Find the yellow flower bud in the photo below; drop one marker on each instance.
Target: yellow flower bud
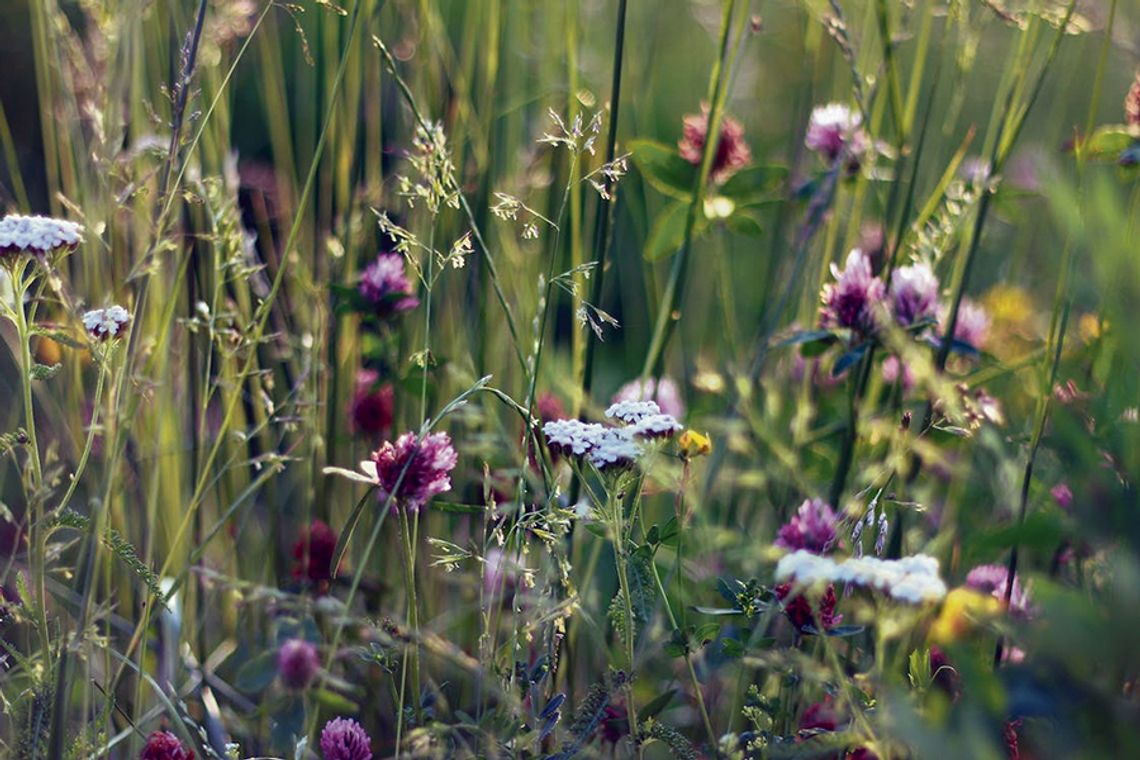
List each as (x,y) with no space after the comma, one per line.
(694,444)
(962,610)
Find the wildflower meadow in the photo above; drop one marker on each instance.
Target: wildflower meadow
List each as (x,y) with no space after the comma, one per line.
(720,379)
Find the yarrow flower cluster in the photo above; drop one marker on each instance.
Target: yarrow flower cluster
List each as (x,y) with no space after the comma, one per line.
(812,528)
(631,411)
(834,131)
(106,324)
(163,745)
(732,152)
(297,663)
(345,739)
(572,437)
(850,301)
(384,285)
(37,235)
(911,579)
(665,392)
(608,446)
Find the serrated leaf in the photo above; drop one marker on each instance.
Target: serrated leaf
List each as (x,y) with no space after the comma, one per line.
(44,371)
(664,169)
(58,335)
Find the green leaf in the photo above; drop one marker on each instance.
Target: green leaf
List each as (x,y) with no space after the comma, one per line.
(731,648)
(1106,143)
(256,674)
(717,611)
(659,703)
(811,342)
(664,169)
(457,508)
(667,232)
(337,704)
(743,223)
(1040,530)
(752,183)
(288,722)
(843,363)
(705,633)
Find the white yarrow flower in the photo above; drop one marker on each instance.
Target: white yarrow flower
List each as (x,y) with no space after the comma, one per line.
(106,324)
(37,234)
(614,447)
(657,426)
(572,436)
(913,580)
(632,410)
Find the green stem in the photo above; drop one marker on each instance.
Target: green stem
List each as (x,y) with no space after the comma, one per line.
(413,614)
(697,692)
(617,527)
(37,535)
(605,205)
(674,289)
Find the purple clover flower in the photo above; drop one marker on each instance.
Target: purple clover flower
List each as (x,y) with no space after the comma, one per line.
(297,663)
(345,739)
(914,294)
(992,579)
(973,323)
(812,528)
(732,152)
(163,745)
(851,300)
(384,284)
(429,464)
(835,129)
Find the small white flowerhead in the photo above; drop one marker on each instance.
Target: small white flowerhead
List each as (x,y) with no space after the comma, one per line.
(614,448)
(106,324)
(571,436)
(632,411)
(37,235)
(657,426)
(913,580)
